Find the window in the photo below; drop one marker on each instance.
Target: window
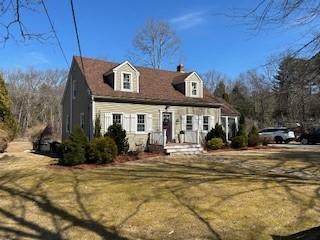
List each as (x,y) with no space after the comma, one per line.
(74,88)
(68,124)
(126,81)
(82,120)
(194,89)
(189,125)
(141,122)
(117,118)
(206,123)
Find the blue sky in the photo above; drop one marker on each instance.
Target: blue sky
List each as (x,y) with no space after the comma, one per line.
(209,40)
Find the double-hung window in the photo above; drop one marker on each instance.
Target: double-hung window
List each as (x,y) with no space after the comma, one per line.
(189,124)
(82,120)
(141,123)
(117,118)
(126,81)
(205,123)
(194,89)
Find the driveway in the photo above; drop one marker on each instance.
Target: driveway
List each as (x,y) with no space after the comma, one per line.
(296,145)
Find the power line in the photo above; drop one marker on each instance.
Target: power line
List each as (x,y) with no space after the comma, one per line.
(54,32)
(77,35)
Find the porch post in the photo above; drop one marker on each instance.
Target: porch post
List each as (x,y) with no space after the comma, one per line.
(164,137)
(227,128)
(198,136)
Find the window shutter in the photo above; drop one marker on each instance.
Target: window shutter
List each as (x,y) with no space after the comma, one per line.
(201,123)
(149,122)
(183,122)
(107,121)
(195,123)
(126,122)
(211,122)
(133,122)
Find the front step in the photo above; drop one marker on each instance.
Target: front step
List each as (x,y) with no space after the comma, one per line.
(183,149)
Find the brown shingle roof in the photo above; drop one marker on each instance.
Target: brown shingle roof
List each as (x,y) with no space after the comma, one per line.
(154,84)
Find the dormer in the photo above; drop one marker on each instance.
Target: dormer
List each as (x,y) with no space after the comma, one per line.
(124,77)
(191,85)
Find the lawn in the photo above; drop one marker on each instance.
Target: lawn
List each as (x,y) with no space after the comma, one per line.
(228,195)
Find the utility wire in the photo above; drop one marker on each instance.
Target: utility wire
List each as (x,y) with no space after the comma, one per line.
(54,32)
(77,35)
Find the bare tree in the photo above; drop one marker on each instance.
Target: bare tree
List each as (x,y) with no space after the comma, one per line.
(291,13)
(36,97)
(212,78)
(155,43)
(13,20)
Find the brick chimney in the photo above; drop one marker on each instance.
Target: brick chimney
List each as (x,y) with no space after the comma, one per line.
(180,68)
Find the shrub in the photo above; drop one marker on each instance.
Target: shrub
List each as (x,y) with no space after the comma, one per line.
(4,140)
(101,150)
(265,141)
(116,132)
(215,143)
(239,142)
(216,132)
(97,127)
(253,137)
(74,148)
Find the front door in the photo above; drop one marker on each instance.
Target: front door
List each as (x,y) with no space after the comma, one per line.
(167,124)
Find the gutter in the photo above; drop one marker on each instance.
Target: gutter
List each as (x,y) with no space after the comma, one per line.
(153,101)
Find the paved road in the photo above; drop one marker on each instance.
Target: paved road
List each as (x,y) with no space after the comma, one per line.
(297,145)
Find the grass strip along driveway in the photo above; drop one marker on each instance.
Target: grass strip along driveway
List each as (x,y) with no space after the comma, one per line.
(228,195)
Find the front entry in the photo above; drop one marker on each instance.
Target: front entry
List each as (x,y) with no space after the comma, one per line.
(167,124)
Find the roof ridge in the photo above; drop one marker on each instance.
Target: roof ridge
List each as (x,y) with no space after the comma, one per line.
(136,66)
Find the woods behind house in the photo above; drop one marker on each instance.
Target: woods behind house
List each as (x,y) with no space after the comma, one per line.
(36,98)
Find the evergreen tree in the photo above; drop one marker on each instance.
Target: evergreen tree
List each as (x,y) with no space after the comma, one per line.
(97,127)
(7,121)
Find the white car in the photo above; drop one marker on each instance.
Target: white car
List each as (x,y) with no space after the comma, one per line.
(279,135)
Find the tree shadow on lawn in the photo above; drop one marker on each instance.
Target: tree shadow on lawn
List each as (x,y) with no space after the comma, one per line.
(173,177)
(25,228)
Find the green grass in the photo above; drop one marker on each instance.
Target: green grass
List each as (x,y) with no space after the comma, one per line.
(233,195)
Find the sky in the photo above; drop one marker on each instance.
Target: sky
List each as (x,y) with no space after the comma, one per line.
(210,39)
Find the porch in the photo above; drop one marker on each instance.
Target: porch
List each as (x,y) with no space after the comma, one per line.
(190,142)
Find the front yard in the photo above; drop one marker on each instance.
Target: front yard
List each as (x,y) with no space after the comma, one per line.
(233,195)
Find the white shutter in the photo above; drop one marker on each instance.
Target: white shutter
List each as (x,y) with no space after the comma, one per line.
(211,122)
(149,122)
(133,122)
(107,121)
(195,123)
(183,122)
(201,123)
(126,122)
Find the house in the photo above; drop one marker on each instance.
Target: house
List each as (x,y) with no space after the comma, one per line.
(152,105)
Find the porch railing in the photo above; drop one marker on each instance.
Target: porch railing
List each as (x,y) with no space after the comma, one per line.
(160,137)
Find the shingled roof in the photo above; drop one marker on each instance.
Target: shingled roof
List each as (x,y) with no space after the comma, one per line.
(154,85)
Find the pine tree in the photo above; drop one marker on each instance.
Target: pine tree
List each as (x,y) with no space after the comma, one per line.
(97,127)
(7,121)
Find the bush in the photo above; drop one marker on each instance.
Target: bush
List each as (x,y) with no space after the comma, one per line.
(74,148)
(265,141)
(215,143)
(116,132)
(4,140)
(253,137)
(216,132)
(101,150)
(97,127)
(239,141)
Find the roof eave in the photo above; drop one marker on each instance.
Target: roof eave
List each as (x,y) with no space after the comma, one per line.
(155,101)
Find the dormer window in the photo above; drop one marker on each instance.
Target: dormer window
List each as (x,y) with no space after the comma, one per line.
(126,81)
(194,89)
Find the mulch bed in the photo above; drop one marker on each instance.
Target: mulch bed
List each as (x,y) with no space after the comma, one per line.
(118,160)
